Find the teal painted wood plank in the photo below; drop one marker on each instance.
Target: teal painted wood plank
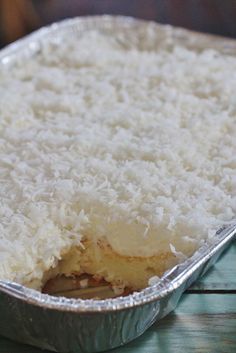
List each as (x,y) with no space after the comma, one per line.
(212,304)
(7,346)
(222,276)
(202,323)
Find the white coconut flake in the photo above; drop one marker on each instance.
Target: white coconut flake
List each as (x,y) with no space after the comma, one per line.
(84,283)
(153,280)
(135,146)
(180,256)
(118,289)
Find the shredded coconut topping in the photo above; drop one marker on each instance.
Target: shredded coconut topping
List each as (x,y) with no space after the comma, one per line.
(105,141)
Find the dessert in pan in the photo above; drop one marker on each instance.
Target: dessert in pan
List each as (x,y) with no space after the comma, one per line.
(117,162)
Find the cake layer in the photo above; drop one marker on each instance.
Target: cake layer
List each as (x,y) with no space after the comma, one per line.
(98,259)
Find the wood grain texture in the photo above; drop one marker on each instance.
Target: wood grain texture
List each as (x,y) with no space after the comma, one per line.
(202,323)
(192,328)
(222,276)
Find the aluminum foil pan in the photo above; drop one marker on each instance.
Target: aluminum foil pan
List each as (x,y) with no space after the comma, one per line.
(75,325)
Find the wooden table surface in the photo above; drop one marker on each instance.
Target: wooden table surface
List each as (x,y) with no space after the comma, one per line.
(204,321)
